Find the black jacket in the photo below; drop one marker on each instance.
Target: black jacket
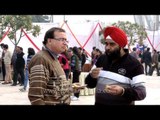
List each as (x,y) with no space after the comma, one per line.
(20,62)
(126,66)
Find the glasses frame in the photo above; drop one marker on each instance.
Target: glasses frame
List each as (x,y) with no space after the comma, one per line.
(61,39)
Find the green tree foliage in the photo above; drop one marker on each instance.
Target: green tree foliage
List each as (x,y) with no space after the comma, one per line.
(16,23)
(135,32)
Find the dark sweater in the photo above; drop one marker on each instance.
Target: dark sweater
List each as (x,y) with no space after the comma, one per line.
(126,66)
(20,62)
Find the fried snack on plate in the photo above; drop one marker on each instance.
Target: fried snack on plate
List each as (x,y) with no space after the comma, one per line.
(78,86)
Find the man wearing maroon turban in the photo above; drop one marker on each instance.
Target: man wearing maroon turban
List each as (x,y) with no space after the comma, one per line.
(118,77)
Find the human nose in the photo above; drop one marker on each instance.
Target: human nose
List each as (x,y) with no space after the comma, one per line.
(108,47)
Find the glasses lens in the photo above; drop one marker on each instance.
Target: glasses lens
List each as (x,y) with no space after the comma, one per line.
(62,39)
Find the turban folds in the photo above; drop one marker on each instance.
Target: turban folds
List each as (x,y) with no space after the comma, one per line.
(117,35)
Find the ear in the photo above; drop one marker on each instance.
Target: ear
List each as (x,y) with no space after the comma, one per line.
(49,41)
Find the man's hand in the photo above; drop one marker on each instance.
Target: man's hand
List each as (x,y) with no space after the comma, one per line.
(114,89)
(95,72)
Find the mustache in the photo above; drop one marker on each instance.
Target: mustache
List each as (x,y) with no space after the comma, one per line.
(113,54)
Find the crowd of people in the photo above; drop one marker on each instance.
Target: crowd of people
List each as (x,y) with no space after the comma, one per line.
(13,65)
(150,60)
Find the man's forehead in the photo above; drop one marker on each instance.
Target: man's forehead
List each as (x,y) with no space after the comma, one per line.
(110,41)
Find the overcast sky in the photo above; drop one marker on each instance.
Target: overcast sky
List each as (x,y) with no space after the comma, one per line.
(102,18)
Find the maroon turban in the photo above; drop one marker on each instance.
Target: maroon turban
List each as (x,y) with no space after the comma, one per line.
(116,34)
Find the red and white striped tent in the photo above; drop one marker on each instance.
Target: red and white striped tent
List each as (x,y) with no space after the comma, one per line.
(84,35)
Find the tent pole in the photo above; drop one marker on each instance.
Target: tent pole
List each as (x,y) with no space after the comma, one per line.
(153,34)
(64,19)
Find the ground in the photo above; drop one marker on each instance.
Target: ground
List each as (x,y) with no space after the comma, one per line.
(10,95)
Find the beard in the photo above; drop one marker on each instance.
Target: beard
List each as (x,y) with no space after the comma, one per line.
(114,54)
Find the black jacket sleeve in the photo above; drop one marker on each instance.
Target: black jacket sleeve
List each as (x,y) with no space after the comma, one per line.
(137,93)
(91,82)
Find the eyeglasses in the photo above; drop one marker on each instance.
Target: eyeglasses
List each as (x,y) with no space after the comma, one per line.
(62,40)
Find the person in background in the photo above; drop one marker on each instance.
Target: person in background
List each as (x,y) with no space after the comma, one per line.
(98,53)
(7,62)
(83,56)
(1,50)
(19,67)
(155,63)
(116,82)
(13,64)
(76,63)
(2,59)
(70,52)
(134,53)
(64,61)
(31,53)
(147,59)
(93,53)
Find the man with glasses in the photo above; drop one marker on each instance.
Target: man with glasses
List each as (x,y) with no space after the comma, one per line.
(48,84)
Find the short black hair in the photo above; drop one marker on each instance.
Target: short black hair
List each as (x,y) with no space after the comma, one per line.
(50,33)
(31,51)
(148,49)
(2,44)
(21,48)
(94,48)
(5,46)
(134,49)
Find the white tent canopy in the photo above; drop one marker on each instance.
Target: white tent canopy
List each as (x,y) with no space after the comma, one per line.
(77,34)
